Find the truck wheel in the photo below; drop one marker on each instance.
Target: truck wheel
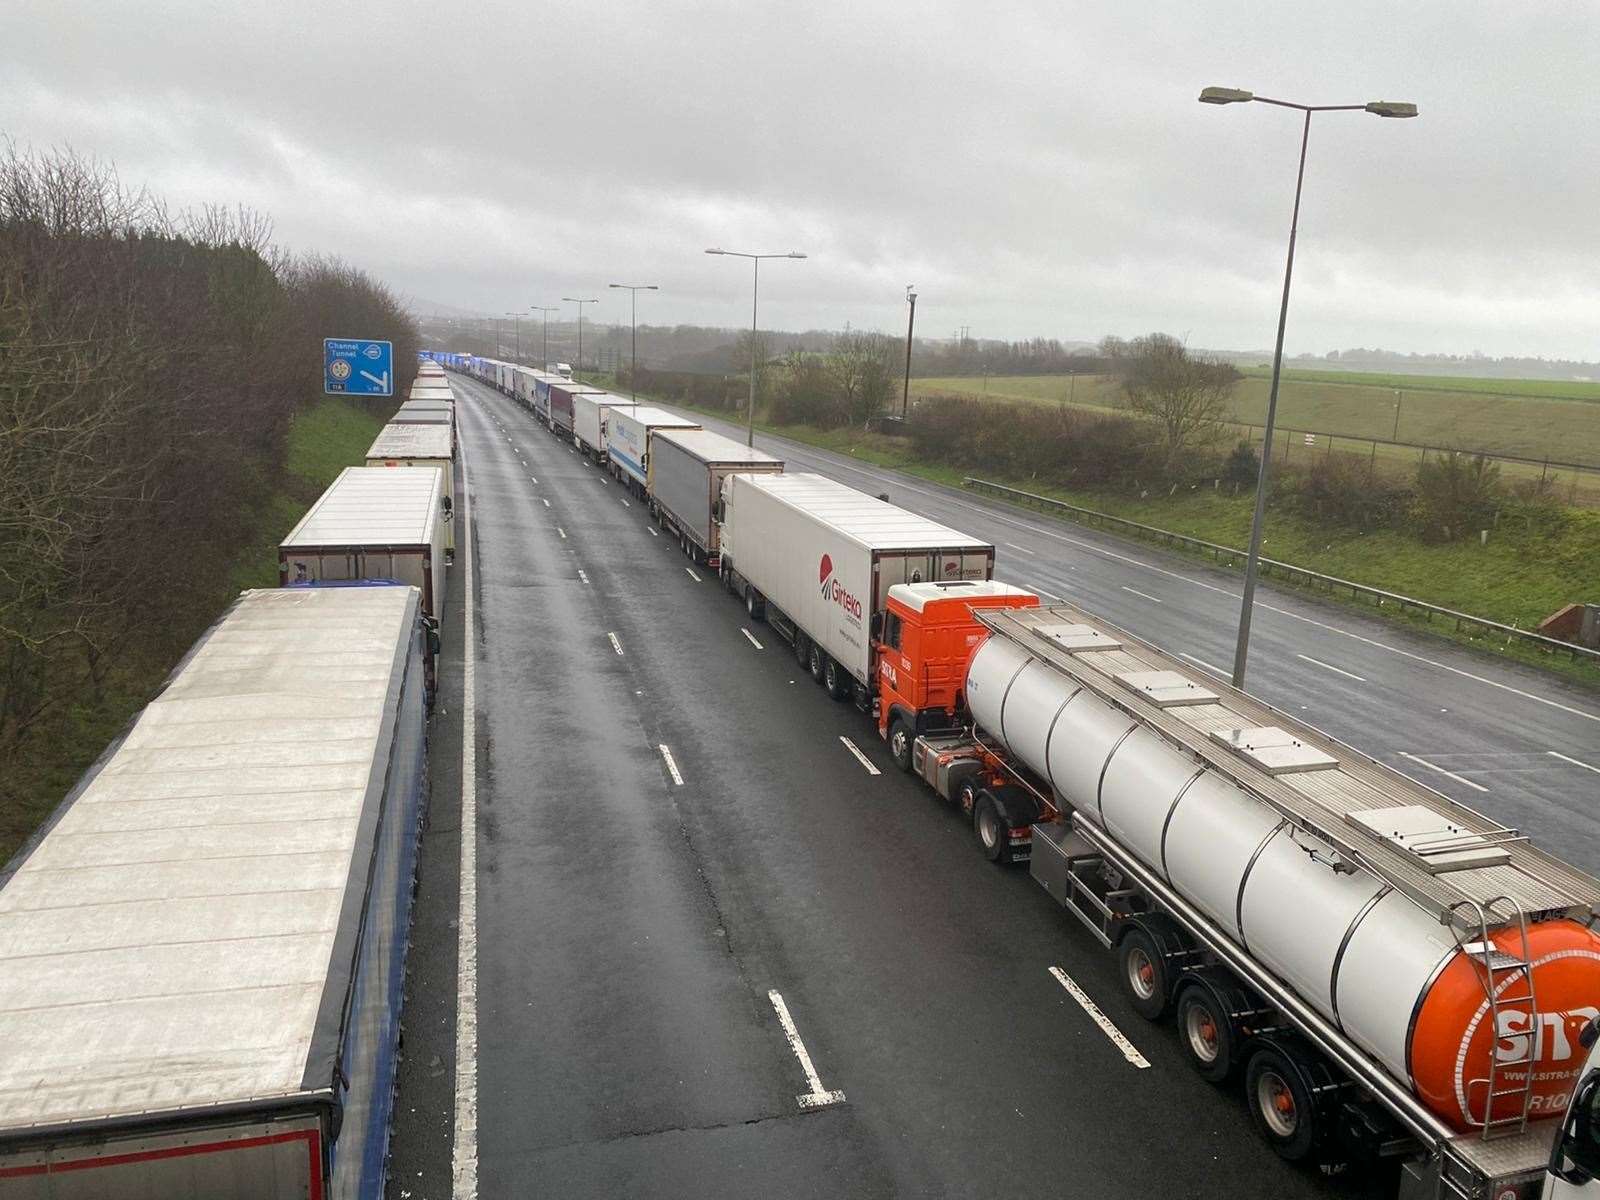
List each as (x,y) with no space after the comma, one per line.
(753,604)
(990,828)
(900,743)
(835,680)
(967,797)
(1144,974)
(1280,1104)
(802,650)
(816,661)
(1207,1033)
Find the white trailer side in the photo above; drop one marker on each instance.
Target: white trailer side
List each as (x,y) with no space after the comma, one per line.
(687,467)
(201,951)
(591,420)
(628,441)
(826,555)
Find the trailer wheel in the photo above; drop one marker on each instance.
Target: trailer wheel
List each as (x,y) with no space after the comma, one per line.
(990,828)
(835,680)
(900,743)
(1207,1033)
(802,650)
(753,604)
(1281,1104)
(816,661)
(1144,974)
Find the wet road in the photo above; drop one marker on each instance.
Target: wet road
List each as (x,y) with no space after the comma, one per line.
(632,929)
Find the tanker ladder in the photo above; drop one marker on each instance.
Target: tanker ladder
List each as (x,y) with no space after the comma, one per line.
(1500,973)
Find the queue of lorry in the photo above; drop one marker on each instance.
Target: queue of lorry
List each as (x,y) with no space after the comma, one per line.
(1386,973)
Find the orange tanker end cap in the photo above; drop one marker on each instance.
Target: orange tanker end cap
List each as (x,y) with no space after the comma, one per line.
(1454,1034)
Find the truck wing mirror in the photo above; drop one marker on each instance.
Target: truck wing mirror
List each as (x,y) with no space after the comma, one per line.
(877,624)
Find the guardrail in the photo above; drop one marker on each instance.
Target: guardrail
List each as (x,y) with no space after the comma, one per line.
(1287,571)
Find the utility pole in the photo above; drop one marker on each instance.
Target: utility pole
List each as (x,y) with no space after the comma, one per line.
(911,324)
(577,367)
(755,291)
(633,290)
(545,313)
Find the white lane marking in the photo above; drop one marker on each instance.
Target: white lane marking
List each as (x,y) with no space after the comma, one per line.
(672,764)
(856,750)
(615,644)
(1021,549)
(752,638)
(651,532)
(1118,1038)
(992,515)
(693,576)
(1575,762)
(1200,662)
(1143,595)
(818,1096)
(1330,667)
(1422,762)
(546,502)
(562,532)
(464,1143)
(625,504)
(1050,595)
(535,479)
(582,576)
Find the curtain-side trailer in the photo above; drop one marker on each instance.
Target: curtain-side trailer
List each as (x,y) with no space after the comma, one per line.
(591,421)
(202,950)
(561,414)
(629,438)
(818,559)
(687,467)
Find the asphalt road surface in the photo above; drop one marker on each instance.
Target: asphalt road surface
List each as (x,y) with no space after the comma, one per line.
(681,842)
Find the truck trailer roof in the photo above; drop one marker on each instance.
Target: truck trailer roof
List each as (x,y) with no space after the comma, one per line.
(373,508)
(411,441)
(866,520)
(714,449)
(180,933)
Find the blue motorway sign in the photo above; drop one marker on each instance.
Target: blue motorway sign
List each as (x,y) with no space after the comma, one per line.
(357,368)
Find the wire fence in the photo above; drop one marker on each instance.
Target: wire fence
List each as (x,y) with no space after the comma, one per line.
(1289,572)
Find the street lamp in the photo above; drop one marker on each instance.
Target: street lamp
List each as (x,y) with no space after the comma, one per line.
(911,324)
(1220,95)
(633,290)
(545,314)
(580,304)
(518,317)
(755,286)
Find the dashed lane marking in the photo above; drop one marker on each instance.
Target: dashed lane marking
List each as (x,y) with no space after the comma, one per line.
(856,750)
(1200,662)
(1422,762)
(615,644)
(651,531)
(818,1096)
(625,503)
(582,576)
(1574,761)
(1142,595)
(1330,667)
(1020,549)
(546,502)
(693,576)
(672,764)
(751,637)
(1107,1026)
(562,532)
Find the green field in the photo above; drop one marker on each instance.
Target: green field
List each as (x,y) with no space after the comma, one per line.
(1535,419)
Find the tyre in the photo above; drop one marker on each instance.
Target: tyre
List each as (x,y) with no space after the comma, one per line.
(1280,1104)
(835,681)
(802,650)
(753,605)
(989,827)
(1144,974)
(1206,1034)
(967,797)
(900,743)
(816,661)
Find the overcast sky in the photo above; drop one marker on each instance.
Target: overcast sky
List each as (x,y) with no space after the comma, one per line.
(1033,169)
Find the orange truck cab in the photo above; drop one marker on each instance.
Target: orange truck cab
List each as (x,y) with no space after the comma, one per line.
(928,635)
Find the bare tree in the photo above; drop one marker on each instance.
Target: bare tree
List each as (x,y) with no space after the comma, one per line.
(861,366)
(1185,397)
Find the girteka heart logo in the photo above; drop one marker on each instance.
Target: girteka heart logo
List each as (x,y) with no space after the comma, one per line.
(827,569)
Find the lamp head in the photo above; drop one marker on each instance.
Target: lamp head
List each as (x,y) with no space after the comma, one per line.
(1391,108)
(1222,95)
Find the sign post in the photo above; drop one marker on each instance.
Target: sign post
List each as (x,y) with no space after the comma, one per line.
(357,368)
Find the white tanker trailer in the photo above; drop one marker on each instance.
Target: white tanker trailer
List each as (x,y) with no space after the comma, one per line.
(1392,973)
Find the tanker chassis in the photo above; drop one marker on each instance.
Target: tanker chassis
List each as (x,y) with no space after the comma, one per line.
(1396,980)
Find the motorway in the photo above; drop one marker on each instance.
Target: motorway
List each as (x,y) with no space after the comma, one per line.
(680,843)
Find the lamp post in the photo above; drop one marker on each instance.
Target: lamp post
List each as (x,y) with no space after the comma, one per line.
(580,303)
(545,313)
(755,288)
(911,324)
(1219,95)
(633,290)
(517,317)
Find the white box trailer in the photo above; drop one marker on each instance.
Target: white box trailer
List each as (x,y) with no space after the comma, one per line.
(541,397)
(562,404)
(419,446)
(422,389)
(202,950)
(687,467)
(591,420)
(628,441)
(825,556)
(522,379)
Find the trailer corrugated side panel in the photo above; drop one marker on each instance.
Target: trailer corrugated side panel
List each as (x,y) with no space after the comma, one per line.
(686,472)
(827,555)
(628,438)
(203,948)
